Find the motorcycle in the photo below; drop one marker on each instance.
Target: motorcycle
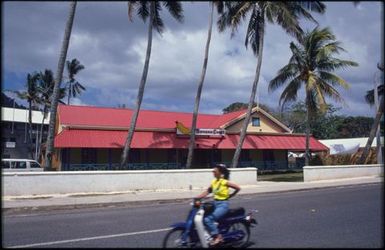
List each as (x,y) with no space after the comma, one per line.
(234,227)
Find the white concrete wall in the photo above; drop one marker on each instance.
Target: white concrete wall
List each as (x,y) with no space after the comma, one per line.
(17,184)
(316,173)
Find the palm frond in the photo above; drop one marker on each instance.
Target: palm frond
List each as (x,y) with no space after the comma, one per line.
(330,91)
(316,6)
(143,10)
(157,21)
(333,79)
(286,73)
(289,94)
(131,7)
(255,30)
(175,9)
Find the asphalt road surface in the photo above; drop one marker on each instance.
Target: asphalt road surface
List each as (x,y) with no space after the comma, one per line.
(342,217)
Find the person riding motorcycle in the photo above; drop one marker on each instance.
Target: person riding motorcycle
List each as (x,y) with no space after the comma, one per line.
(220,188)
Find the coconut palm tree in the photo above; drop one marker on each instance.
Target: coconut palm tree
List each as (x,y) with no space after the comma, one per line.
(376,123)
(151,10)
(311,66)
(56,90)
(45,88)
(74,87)
(369,97)
(285,14)
(191,147)
(31,95)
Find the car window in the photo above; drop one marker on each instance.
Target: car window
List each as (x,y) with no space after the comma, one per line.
(34,164)
(20,164)
(5,164)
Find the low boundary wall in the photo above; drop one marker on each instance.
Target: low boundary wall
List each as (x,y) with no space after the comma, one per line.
(43,183)
(316,173)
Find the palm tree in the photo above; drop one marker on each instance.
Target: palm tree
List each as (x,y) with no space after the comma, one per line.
(200,84)
(369,97)
(375,125)
(152,10)
(31,95)
(285,14)
(45,88)
(74,87)
(311,65)
(56,89)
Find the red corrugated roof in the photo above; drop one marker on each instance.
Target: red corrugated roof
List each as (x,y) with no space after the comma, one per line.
(75,138)
(117,117)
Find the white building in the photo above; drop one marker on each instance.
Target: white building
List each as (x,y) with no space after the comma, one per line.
(15,132)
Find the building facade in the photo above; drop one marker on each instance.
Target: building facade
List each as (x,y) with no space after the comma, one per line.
(16,142)
(92,138)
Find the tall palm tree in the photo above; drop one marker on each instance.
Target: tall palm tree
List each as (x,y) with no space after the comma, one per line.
(56,90)
(45,88)
(74,87)
(369,97)
(311,65)
(375,126)
(191,147)
(31,95)
(285,14)
(151,10)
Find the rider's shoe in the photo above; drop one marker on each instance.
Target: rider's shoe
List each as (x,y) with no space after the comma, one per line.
(218,240)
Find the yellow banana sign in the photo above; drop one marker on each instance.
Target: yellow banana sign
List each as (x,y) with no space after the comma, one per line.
(182,129)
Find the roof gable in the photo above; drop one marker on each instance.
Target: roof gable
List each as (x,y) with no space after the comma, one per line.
(254,110)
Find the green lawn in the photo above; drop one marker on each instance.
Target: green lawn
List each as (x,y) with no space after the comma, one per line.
(292,177)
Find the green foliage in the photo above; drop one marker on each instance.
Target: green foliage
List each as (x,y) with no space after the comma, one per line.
(327,125)
(74,87)
(236,106)
(142,9)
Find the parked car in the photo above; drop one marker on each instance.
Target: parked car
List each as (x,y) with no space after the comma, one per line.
(23,165)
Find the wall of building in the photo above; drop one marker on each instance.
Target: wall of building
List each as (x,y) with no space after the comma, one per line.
(25,184)
(266,125)
(18,133)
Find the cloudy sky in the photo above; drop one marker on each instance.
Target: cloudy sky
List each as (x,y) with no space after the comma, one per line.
(112,49)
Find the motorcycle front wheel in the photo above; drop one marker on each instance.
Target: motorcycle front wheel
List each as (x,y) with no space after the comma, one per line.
(245,229)
(173,239)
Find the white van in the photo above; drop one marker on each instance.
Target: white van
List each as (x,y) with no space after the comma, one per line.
(14,165)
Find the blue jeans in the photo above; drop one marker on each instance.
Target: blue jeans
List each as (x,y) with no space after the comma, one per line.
(221,208)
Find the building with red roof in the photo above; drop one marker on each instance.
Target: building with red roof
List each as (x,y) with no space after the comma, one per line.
(93,138)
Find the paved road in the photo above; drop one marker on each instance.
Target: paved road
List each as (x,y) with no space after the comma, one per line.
(331,217)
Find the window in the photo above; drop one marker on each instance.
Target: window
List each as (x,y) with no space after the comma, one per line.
(5,164)
(34,165)
(20,164)
(256,122)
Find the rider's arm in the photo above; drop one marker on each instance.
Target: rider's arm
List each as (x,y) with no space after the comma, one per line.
(205,193)
(234,186)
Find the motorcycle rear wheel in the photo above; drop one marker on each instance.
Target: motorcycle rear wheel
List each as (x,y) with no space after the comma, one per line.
(173,239)
(243,227)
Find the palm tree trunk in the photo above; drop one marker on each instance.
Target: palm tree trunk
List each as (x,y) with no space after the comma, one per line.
(307,130)
(58,79)
(242,136)
(199,91)
(41,130)
(30,128)
(127,145)
(69,94)
(373,131)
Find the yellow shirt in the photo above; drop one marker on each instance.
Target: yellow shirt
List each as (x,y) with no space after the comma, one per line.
(220,189)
